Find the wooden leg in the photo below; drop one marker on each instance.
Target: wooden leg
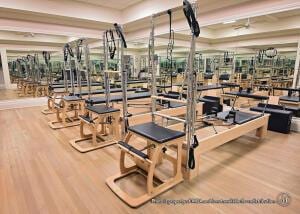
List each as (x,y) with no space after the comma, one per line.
(150,176)
(262,131)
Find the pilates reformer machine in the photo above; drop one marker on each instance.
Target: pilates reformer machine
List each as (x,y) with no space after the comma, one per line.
(29,84)
(291,99)
(158,137)
(103,120)
(179,143)
(33,81)
(69,103)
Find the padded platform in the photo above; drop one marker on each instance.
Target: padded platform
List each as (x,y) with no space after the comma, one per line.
(75,85)
(210,87)
(279,120)
(208,76)
(290,99)
(224,77)
(155,132)
(102,91)
(86,118)
(248,95)
(72,98)
(286,89)
(118,98)
(230,85)
(133,82)
(132,149)
(101,109)
(240,117)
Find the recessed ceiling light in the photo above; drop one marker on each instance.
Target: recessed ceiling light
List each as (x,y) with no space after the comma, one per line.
(229,22)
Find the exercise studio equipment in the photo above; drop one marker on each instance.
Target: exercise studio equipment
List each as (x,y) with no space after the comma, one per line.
(158,137)
(69,104)
(102,120)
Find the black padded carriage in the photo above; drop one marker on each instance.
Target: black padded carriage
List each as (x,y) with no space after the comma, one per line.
(101,109)
(118,98)
(158,134)
(240,117)
(102,91)
(290,98)
(280,118)
(248,95)
(72,98)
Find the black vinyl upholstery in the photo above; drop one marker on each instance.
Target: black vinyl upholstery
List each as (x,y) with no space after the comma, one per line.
(101,109)
(132,149)
(248,95)
(210,103)
(210,87)
(102,91)
(83,85)
(295,110)
(72,98)
(290,98)
(230,85)
(118,98)
(208,76)
(155,132)
(279,120)
(224,77)
(240,117)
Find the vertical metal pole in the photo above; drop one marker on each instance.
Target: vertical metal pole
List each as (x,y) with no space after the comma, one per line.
(88,70)
(191,97)
(296,78)
(233,68)
(65,73)
(123,70)
(153,70)
(37,68)
(71,76)
(78,64)
(106,75)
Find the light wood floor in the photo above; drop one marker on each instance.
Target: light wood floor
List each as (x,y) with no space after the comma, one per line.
(41,173)
(9,94)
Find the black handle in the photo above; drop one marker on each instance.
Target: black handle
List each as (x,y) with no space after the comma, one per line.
(120,34)
(191,18)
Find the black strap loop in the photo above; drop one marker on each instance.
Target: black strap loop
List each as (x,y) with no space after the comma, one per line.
(191,18)
(120,34)
(79,50)
(191,161)
(47,57)
(110,40)
(67,51)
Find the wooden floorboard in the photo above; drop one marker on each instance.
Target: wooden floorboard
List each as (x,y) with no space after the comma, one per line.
(41,173)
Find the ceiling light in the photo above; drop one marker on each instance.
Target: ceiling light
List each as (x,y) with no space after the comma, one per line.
(229,22)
